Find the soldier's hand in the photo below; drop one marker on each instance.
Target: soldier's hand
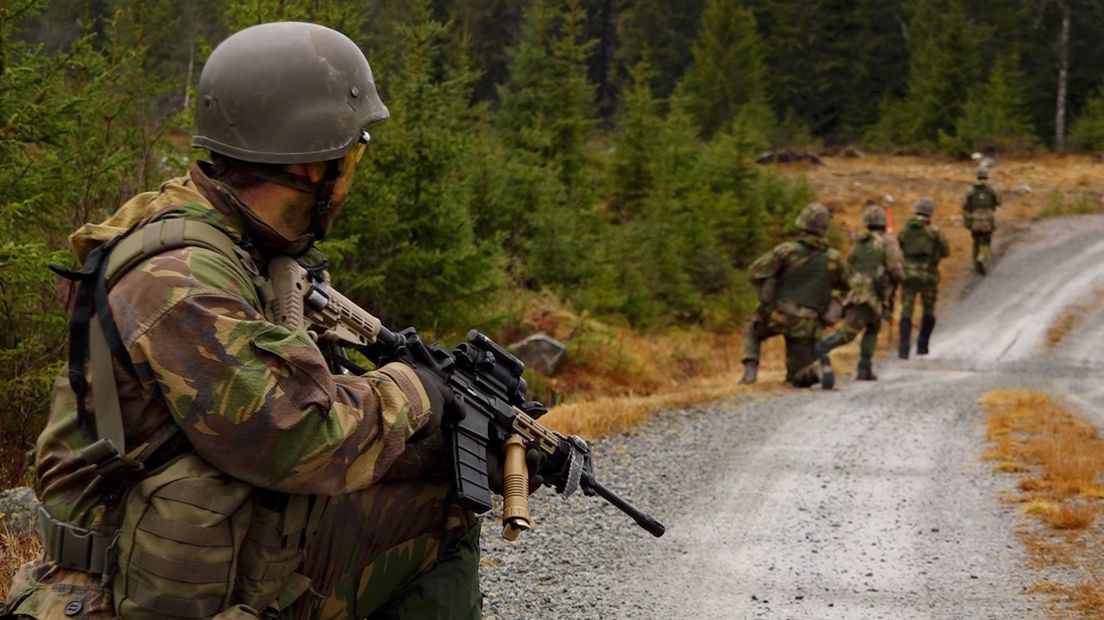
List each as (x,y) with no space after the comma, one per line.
(443,403)
(496,475)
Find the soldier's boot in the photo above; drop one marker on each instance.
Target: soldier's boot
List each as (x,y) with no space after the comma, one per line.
(866,371)
(927,324)
(751,373)
(981,262)
(806,377)
(905,338)
(827,375)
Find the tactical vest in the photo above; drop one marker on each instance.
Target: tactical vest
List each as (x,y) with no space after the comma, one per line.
(917,242)
(192,541)
(806,283)
(866,257)
(981,197)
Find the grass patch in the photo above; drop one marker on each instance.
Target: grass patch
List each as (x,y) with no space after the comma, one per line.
(1061,203)
(1064,323)
(1060,465)
(15,549)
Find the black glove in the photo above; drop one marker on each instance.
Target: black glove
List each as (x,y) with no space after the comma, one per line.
(496,475)
(443,404)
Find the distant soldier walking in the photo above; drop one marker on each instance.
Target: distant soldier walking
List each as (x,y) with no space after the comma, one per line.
(795,282)
(923,245)
(876,271)
(979,216)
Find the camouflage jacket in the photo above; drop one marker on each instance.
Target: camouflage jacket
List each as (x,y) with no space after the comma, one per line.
(872,286)
(767,270)
(923,268)
(978,208)
(255,400)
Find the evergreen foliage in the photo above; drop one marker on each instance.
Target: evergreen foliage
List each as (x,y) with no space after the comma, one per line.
(406,246)
(994,117)
(1087,132)
(727,75)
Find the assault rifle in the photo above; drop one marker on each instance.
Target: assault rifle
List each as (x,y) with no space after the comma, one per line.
(486,378)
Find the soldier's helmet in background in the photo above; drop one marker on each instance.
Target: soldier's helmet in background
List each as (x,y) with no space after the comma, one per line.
(814,218)
(874,217)
(285,93)
(983,174)
(924,207)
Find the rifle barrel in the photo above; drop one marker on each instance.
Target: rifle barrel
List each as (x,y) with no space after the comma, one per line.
(655,528)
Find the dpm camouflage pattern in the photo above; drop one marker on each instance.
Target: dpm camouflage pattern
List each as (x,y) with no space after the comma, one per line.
(871,286)
(979,209)
(255,400)
(783,317)
(923,271)
(799,325)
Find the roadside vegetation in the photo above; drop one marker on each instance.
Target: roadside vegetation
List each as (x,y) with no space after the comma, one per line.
(1057,459)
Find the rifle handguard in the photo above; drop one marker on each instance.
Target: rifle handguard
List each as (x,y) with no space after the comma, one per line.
(515,483)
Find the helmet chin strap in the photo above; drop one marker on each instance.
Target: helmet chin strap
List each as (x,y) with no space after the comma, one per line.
(322,190)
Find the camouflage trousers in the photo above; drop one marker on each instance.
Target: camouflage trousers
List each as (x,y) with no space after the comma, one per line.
(856,318)
(928,292)
(423,565)
(799,349)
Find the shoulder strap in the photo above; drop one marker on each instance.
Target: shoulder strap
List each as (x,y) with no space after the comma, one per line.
(95,334)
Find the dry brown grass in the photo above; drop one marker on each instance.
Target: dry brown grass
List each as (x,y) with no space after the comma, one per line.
(15,549)
(1062,460)
(1070,317)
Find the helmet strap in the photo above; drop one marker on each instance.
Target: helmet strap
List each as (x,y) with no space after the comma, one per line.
(323,197)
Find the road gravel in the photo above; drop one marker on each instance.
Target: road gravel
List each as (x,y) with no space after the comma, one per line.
(866,502)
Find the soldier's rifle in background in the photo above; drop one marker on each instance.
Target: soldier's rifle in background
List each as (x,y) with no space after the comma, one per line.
(485,377)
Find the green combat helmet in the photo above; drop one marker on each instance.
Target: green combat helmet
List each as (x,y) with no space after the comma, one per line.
(874,217)
(286,93)
(924,207)
(814,219)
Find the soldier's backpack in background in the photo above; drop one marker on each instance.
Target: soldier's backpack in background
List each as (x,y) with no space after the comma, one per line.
(978,213)
(917,242)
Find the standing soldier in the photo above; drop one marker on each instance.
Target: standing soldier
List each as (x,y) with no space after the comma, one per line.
(795,282)
(200,459)
(876,271)
(978,215)
(923,245)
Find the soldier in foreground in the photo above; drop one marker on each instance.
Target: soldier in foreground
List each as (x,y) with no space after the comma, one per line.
(795,281)
(205,461)
(979,217)
(923,245)
(876,271)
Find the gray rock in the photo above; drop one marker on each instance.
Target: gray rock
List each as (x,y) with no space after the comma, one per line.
(18,508)
(540,351)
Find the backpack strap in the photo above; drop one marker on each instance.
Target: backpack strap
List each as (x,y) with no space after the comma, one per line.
(94,334)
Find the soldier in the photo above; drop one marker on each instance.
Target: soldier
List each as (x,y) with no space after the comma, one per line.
(876,271)
(923,245)
(204,461)
(795,282)
(979,217)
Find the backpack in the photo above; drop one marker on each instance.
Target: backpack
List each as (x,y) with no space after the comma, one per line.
(917,242)
(193,541)
(980,198)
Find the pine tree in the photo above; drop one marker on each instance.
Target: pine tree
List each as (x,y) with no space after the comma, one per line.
(944,67)
(727,73)
(1087,132)
(545,119)
(405,246)
(996,117)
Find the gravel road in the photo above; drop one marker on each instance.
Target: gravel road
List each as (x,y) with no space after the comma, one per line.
(866,502)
